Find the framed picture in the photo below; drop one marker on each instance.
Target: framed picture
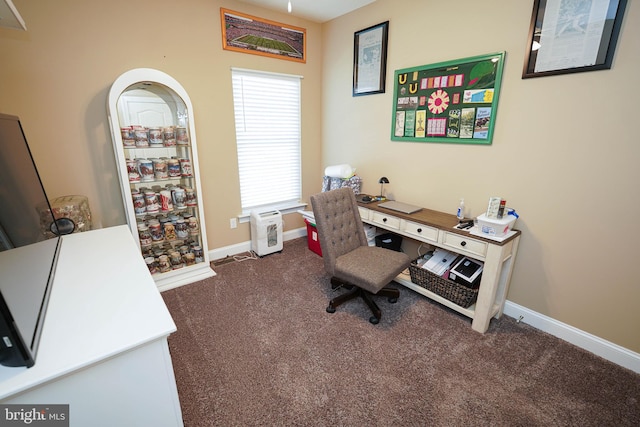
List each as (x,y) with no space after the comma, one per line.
(249,34)
(370,59)
(448,102)
(572,36)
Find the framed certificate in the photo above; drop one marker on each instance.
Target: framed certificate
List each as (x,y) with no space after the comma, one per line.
(572,36)
(370,59)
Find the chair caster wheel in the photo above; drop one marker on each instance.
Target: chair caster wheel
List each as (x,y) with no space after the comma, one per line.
(331,309)
(374,320)
(393,300)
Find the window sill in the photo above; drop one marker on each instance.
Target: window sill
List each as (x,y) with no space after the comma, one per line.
(284,209)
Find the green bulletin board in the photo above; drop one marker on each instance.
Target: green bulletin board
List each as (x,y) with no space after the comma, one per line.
(454,101)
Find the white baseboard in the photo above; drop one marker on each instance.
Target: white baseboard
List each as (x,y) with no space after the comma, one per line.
(598,346)
(238,248)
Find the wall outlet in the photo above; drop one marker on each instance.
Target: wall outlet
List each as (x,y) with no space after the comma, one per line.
(233,222)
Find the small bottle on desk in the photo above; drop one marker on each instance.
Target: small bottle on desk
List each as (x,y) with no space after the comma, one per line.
(503,205)
(460,213)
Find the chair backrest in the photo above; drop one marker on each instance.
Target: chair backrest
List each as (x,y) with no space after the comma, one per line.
(340,228)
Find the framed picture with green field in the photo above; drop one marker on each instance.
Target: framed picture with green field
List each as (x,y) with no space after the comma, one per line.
(250,34)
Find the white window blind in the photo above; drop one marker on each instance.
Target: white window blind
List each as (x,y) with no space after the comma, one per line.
(267,118)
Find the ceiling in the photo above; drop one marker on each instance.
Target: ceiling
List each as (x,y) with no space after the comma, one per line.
(313,10)
(9,16)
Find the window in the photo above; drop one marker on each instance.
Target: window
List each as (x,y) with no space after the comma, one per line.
(267,118)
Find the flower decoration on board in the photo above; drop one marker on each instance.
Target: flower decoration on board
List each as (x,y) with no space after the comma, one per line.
(438,101)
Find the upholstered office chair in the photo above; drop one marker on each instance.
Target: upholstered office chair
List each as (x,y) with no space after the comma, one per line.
(366,270)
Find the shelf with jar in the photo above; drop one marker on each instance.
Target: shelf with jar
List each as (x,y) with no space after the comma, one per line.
(154,140)
(170,242)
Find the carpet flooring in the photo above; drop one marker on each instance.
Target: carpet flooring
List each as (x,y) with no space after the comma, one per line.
(255,347)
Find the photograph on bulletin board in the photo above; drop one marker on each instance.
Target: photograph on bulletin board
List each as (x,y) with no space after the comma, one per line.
(453,102)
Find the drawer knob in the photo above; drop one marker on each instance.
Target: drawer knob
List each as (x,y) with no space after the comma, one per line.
(384,219)
(463,243)
(419,230)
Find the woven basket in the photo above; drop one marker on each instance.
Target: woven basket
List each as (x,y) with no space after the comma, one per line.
(454,292)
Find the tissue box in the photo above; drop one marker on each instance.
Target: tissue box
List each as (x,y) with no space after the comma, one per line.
(495,227)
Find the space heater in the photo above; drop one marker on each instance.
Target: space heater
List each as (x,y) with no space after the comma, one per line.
(266,232)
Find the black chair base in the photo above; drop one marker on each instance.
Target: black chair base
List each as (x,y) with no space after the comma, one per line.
(392,295)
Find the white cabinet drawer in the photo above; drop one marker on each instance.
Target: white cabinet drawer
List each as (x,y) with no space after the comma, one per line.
(464,244)
(387,221)
(364,213)
(420,231)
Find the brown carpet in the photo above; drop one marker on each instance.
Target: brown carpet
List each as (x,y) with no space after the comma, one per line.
(255,347)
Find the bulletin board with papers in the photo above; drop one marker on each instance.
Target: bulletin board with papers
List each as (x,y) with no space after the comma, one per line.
(450,102)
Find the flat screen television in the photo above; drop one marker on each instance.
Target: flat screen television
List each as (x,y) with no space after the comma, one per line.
(27,258)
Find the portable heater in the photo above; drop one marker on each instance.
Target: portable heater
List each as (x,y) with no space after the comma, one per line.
(266,232)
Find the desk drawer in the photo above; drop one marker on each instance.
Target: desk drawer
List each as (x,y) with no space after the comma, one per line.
(387,221)
(461,244)
(364,213)
(420,231)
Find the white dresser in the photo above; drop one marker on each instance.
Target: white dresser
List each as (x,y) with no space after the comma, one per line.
(104,346)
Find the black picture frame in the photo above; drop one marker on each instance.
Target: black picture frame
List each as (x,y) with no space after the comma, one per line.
(370,59)
(572,37)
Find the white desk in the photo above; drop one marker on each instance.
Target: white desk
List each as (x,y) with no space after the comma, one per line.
(436,229)
(104,346)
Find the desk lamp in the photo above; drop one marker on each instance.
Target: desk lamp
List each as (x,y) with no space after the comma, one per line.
(384,180)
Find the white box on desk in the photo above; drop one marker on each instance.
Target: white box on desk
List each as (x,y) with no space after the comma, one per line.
(495,227)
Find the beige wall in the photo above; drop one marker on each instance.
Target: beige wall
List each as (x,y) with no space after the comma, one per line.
(563,151)
(57,75)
